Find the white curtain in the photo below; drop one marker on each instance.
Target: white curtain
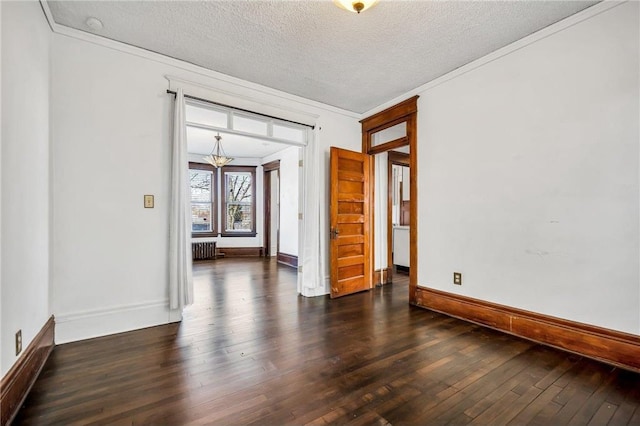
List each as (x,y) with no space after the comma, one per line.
(180,274)
(311,274)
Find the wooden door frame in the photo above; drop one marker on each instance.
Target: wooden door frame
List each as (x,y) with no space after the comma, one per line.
(403,112)
(267,168)
(398,159)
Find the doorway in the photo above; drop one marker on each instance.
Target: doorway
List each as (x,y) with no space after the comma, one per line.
(242,208)
(394,129)
(271,182)
(398,213)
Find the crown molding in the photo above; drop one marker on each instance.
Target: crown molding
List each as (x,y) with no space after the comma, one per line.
(186,66)
(557,27)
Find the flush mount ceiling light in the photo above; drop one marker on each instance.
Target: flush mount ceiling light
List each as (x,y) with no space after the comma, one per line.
(94,23)
(218,160)
(356,6)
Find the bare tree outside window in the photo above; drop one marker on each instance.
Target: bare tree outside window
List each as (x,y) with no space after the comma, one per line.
(239,200)
(203,215)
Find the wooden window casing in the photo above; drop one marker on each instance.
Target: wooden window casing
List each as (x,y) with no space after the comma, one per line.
(213,232)
(228,228)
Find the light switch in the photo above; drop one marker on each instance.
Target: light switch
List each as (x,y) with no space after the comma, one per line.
(148,201)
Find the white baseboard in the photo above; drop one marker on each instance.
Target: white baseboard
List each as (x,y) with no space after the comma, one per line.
(97,323)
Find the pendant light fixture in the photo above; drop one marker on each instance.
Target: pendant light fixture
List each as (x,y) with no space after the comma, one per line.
(356,6)
(218,160)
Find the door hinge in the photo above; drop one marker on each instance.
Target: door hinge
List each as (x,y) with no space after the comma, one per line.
(299,216)
(299,163)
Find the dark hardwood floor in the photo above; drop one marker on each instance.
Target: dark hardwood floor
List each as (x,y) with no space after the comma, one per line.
(252,352)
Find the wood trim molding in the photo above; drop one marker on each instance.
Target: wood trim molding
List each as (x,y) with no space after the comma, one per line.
(18,381)
(403,112)
(399,158)
(388,146)
(288,259)
(390,116)
(385,276)
(272,165)
(214,199)
(266,216)
(225,225)
(412,134)
(267,207)
(239,251)
(610,346)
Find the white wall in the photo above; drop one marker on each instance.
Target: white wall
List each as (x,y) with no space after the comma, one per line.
(289,200)
(274,214)
(110,146)
(25,175)
(528,175)
(289,197)
(381,196)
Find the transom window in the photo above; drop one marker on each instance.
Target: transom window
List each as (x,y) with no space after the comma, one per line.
(217,118)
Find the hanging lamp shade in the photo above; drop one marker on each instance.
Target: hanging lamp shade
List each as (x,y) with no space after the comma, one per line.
(218,159)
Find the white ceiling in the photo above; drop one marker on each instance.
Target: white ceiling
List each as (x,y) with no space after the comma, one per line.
(316,50)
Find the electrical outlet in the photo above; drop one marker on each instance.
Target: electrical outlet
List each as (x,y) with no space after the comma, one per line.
(18,342)
(457,278)
(148,201)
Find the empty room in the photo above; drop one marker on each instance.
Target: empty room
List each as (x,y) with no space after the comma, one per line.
(320,212)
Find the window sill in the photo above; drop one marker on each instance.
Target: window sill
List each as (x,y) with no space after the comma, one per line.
(203,234)
(239,234)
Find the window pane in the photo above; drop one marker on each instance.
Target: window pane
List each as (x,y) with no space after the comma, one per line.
(239,207)
(200,217)
(211,117)
(390,134)
(249,125)
(238,187)
(288,133)
(239,217)
(200,185)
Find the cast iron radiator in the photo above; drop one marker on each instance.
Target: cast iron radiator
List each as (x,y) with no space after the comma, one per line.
(202,251)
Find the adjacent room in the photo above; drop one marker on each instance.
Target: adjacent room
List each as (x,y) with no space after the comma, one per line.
(320,212)
(244,179)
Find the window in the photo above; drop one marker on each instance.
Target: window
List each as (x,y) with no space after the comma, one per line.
(203,116)
(204,184)
(239,217)
(238,209)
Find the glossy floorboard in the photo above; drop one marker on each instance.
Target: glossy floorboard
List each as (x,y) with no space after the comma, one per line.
(250,351)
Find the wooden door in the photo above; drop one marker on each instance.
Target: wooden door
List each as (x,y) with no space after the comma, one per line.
(349,223)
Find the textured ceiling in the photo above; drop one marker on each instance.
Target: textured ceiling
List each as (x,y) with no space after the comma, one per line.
(316,50)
